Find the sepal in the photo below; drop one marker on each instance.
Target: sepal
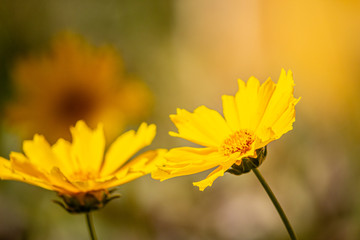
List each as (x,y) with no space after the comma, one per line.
(249,163)
(86,201)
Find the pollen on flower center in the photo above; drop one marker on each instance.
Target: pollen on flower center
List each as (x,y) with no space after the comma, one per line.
(238,142)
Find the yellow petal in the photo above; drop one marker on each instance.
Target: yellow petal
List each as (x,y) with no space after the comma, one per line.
(99,184)
(23,166)
(247,101)
(218,172)
(187,160)
(9,172)
(245,110)
(62,151)
(143,164)
(189,155)
(126,146)
(205,126)
(284,123)
(231,112)
(87,147)
(280,110)
(6,171)
(39,152)
(60,183)
(265,93)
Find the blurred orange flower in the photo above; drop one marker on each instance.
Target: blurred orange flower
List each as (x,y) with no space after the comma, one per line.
(74,81)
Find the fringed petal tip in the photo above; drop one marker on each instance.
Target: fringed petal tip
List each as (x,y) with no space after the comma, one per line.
(218,172)
(286,76)
(173,134)
(202,184)
(209,180)
(150,130)
(289,73)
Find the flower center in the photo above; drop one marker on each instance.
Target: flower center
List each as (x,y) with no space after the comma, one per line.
(238,142)
(76,104)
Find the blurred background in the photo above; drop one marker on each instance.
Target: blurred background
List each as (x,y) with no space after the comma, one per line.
(124,62)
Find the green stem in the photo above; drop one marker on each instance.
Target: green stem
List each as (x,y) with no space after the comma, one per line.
(90,224)
(276,203)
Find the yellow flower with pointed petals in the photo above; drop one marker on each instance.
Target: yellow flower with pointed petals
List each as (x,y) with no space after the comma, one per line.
(78,171)
(255,116)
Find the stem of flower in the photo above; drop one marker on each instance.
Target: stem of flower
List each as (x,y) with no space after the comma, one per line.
(90,224)
(276,203)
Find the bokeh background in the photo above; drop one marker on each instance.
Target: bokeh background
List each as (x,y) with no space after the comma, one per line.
(123,62)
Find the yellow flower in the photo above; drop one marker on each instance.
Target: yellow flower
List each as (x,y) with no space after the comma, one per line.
(72,81)
(254,117)
(78,171)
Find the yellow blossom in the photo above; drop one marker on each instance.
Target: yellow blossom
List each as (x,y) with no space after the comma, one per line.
(72,81)
(78,170)
(255,116)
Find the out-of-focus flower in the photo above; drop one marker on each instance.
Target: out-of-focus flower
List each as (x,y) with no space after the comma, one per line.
(254,117)
(78,171)
(75,81)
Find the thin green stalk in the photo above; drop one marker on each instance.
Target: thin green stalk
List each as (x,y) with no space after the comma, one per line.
(276,203)
(90,224)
